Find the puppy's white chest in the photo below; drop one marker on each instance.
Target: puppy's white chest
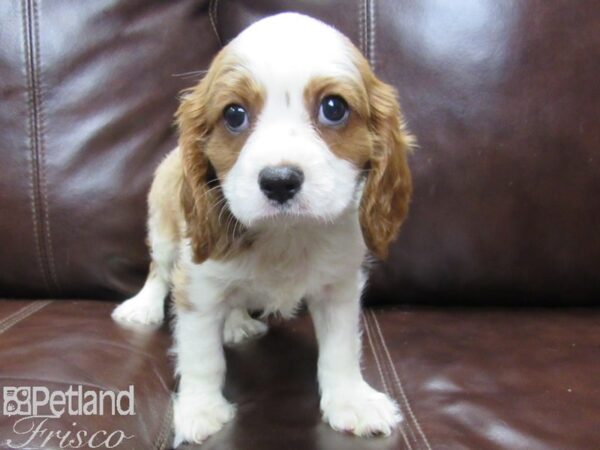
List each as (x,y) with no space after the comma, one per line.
(283,268)
(280,275)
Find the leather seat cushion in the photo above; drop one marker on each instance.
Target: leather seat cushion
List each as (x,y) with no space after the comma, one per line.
(464,378)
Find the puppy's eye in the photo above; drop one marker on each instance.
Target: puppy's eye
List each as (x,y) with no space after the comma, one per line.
(236,118)
(333,110)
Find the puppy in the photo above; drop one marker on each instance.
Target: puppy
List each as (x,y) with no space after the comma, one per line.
(291,167)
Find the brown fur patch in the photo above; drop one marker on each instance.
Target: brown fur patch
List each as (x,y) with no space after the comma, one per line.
(388,187)
(163,205)
(179,290)
(375,140)
(209,151)
(352,140)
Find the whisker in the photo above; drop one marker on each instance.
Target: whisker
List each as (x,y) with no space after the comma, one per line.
(216,205)
(230,221)
(222,203)
(191,74)
(210,190)
(233,235)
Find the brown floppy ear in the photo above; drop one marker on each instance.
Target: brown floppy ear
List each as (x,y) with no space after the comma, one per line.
(204,206)
(388,186)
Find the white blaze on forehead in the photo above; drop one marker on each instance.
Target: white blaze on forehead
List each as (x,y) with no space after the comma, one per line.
(290,49)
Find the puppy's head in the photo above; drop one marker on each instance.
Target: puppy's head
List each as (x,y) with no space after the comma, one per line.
(290,125)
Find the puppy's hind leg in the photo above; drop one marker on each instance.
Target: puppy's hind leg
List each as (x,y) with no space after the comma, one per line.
(147,307)
(164,220)
(240,326)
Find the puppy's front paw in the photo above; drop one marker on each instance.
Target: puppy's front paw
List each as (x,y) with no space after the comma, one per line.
(360,410)
(139,310)
(197,417)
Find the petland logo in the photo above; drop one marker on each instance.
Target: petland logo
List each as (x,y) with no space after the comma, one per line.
(37,408)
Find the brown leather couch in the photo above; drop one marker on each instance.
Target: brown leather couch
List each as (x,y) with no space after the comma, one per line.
(483,324)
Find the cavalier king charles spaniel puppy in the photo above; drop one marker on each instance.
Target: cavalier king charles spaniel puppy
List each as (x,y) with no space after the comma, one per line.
(291,169)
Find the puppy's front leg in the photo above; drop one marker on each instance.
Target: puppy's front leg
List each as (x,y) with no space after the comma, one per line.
(348,403)
(200,408)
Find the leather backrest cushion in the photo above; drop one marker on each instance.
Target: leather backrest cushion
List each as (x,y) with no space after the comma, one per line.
(502,96)
(88,94)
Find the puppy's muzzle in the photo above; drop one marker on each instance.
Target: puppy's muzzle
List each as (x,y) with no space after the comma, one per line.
(280,183)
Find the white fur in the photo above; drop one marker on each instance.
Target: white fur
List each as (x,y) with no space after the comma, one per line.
(283,53)
(147,307)
(313,250)
(240,326)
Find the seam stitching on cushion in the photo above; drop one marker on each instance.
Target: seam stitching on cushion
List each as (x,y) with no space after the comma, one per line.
(43,186)
(22,314)
(370,339)
(31,125)
(212,16)
(17,312)
(371,35)
(399,383)
(400,388)
(162,437)
(382,376)
(365,29)
(361,35)
(407,423)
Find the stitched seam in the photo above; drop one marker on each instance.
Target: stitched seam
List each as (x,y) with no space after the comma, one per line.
(399,384)
(384,373)
(360,27)
(371,35)
(212,16)
(22,314)
(381,375)
(16,313)
(31,127)
(366,29)
(161,440)
(43,186)
(387,372)
(371,346)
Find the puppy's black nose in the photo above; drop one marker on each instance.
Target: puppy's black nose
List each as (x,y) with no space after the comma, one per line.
(280,183)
